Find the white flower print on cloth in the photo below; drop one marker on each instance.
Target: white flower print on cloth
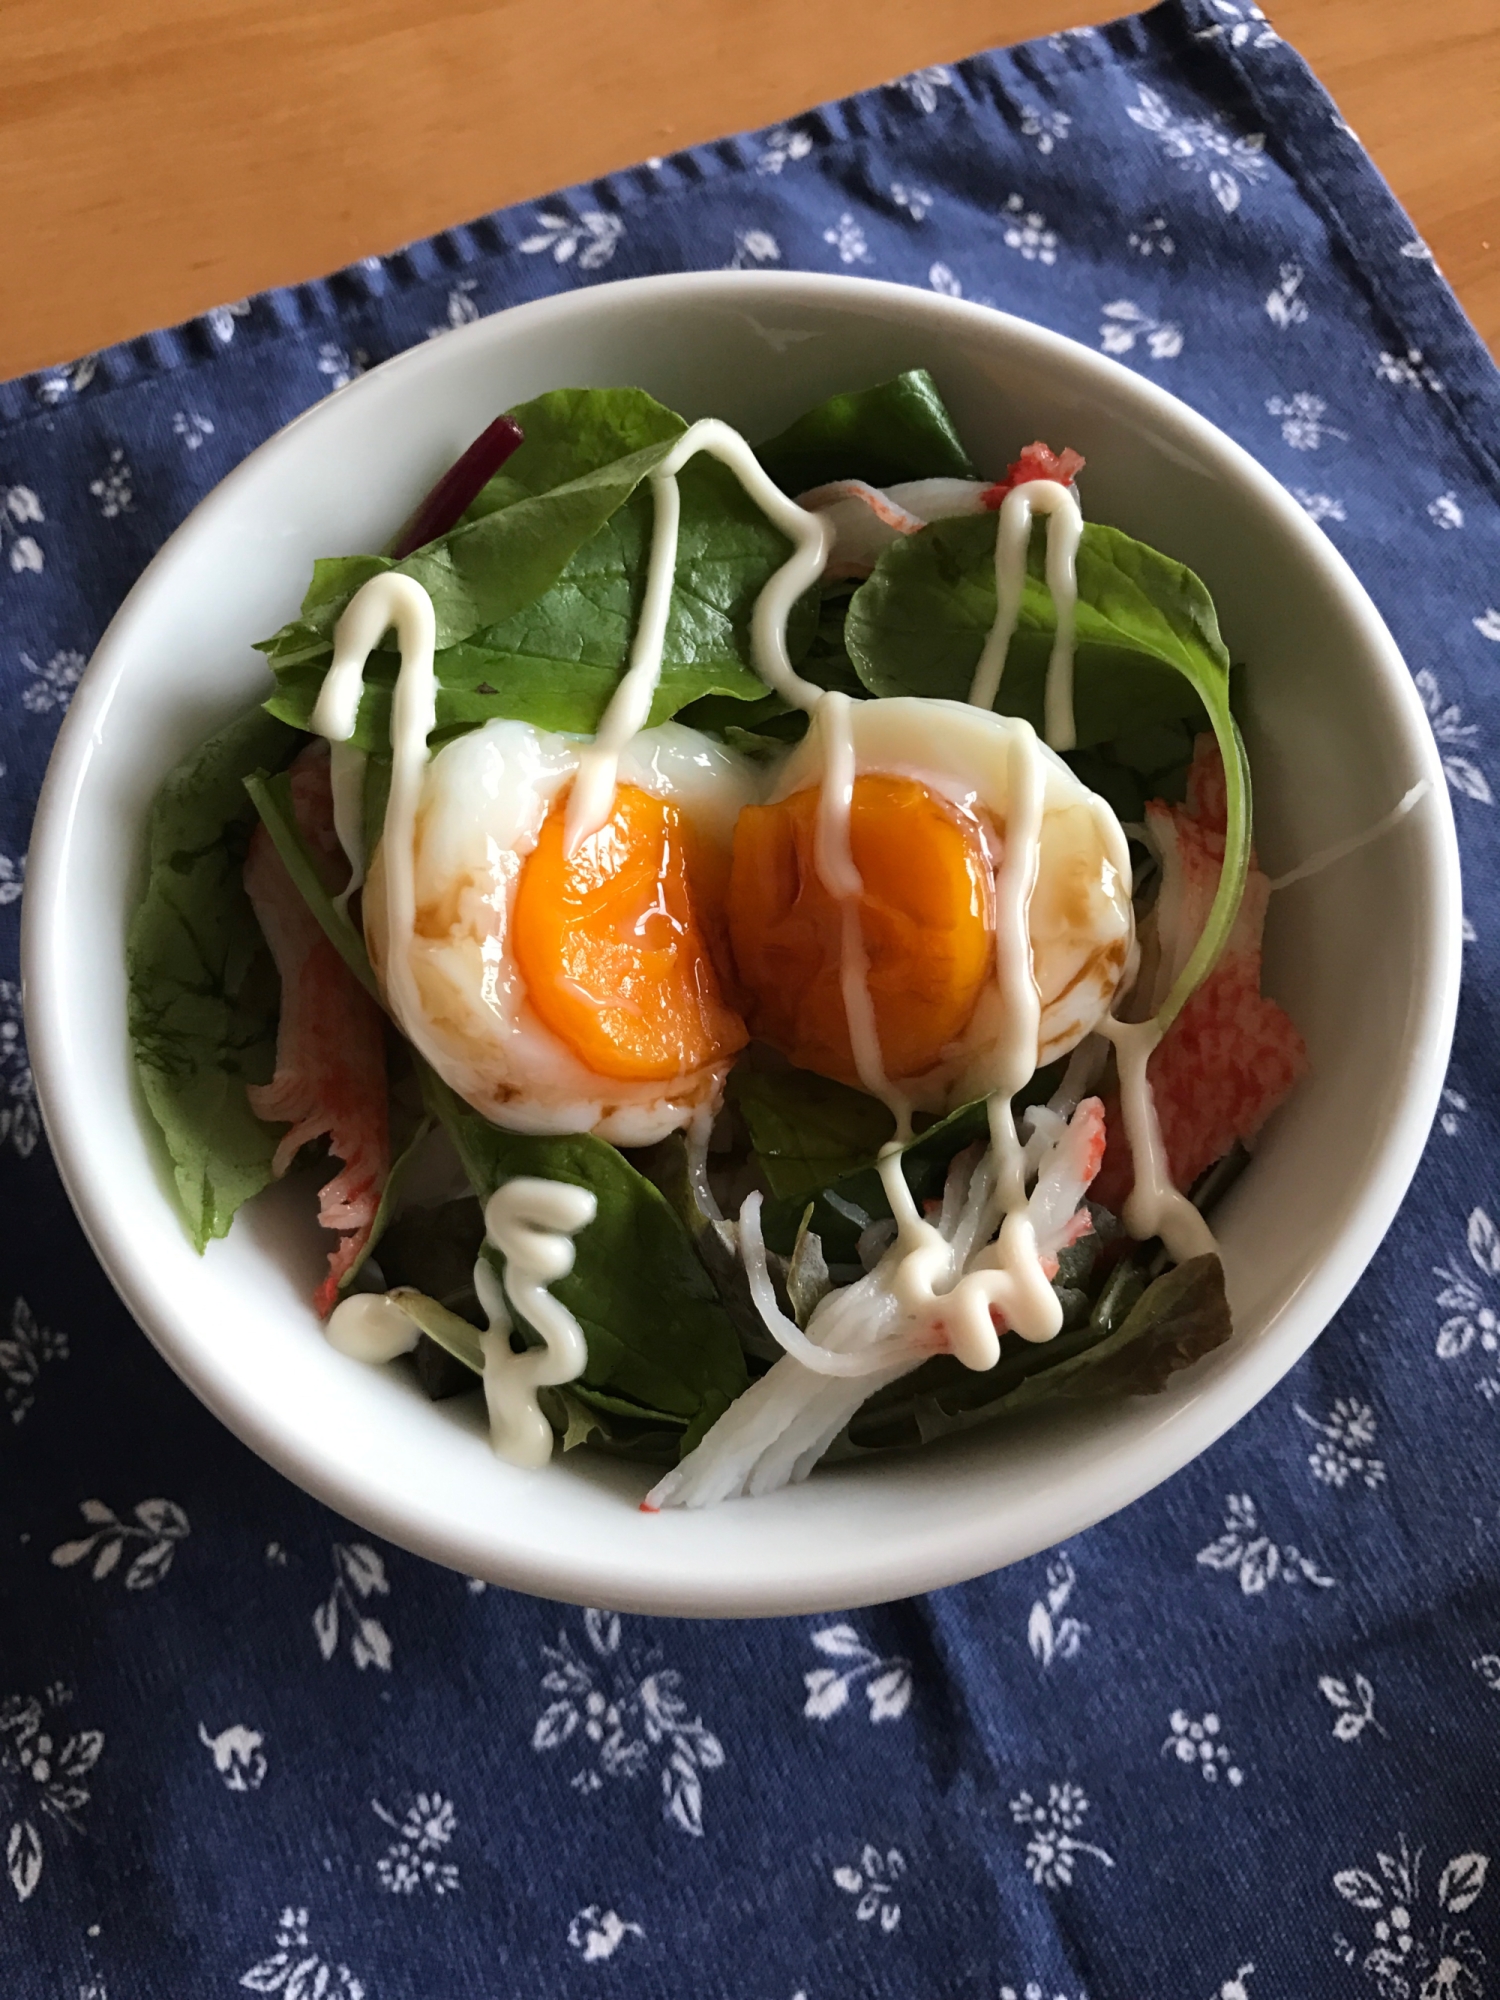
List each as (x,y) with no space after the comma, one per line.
(20,1120)
(159,1524)
(1051,1635)
(358,1575)
(221,319)
(1047,128)
(847,237)
(1454,736)
(1355,1703)
(1342,1456)
(1246,1552)
(1473,1327)
(1487,624)
(1283,306)
(1302,425)
(114,489)
(1125,323)
(592,238)
(1319,507)
(51,685)
(1200,1742)
(1487,1666)
(1445,512)
(191,428)
(1241,27)
(42,1773)
(460,311)
(752,247)
(297,1971)
(423,1831)
(12,879)
(56,387)
(1453,1108)
(1053,1846)
(1152,239)
(238,1756)
(1035,1990)
(873,1883)
(922,86)
(1026,231)
(781,146)
(886,1682)
(1234,1988)
(1407,370)
(916,201)
(1416,1948)
(598,1933)
(24,1353)
(340,365)
(942,279)
(630,1714)
(20,509)
(1231,160)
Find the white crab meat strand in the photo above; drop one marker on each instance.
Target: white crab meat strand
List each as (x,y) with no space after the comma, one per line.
(867,519)
(774,1434)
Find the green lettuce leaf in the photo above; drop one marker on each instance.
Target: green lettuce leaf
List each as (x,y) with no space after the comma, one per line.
(203,997)
(1149,654)
(896,431)
(538,595)
(661,1346)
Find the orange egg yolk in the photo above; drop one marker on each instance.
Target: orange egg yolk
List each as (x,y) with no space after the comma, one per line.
(613,942)
(926,916)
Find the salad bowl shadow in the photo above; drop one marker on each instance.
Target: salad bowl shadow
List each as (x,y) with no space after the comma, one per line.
(1362,953)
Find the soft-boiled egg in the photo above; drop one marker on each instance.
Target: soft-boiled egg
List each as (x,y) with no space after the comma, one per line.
(573,992)
(927,826)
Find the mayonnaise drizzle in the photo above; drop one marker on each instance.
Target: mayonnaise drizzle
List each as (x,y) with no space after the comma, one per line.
(1155,1207)
(1012,542)
(531,1223)
(592,796)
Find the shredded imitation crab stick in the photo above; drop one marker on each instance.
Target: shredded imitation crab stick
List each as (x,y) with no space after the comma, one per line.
(330,1041)
(1231,1055)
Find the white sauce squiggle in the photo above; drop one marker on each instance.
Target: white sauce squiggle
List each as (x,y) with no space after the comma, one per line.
(531,1223)
(1155,1206)
(1012,541)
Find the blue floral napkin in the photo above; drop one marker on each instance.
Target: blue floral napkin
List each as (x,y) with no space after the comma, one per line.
(1241,1742)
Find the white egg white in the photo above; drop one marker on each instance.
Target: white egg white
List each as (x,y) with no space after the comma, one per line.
(484,799)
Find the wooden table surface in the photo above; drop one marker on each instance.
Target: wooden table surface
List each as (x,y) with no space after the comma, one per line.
(161,156)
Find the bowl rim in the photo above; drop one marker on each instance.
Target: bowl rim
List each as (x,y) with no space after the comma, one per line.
(981,1545)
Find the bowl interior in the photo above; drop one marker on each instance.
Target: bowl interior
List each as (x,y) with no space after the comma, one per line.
(1363,955)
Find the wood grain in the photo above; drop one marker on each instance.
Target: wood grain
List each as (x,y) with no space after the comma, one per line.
(160,156)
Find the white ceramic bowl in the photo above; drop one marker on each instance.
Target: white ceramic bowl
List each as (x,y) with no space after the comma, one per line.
(1364,955)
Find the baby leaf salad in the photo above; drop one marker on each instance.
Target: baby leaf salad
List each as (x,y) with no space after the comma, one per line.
(657,1012)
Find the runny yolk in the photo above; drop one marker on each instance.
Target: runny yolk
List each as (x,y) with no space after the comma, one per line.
(611,943)
(926,917)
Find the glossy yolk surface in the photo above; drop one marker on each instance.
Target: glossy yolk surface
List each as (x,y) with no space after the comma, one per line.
(926,918)
(613,943)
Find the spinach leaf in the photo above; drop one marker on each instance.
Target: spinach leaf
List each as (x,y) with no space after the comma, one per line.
(661,1346)
(203,999)
(1178,1319)
(553,654)
(896,431)
(1149,653)
(272,798)
(567,433)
